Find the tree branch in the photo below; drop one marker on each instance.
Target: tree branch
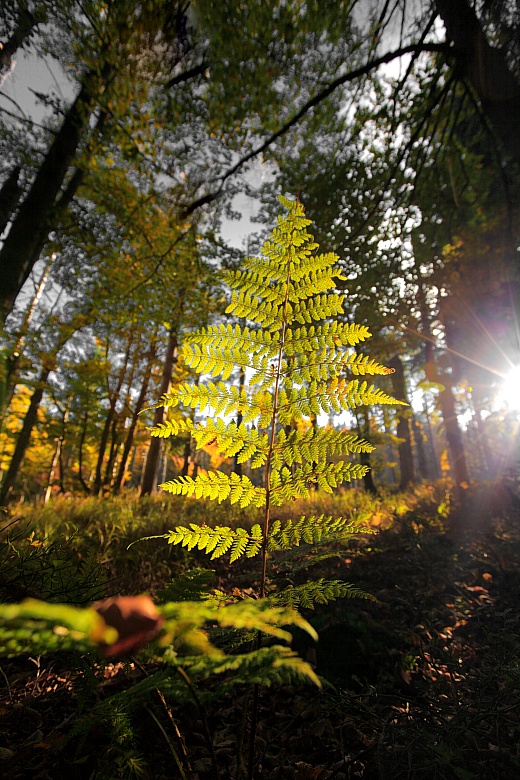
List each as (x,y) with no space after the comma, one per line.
(197,70)
(314,101)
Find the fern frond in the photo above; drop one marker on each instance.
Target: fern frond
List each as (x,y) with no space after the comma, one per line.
(232,439)
(219,540)
(310,530)
(172,428)
(227,400)
(316,444)
(319,591)
(217,486)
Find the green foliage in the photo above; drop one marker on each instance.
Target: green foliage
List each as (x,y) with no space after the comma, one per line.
(36,627)
(319,591)
(297,367)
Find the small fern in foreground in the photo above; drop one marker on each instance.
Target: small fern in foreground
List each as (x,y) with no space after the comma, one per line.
(298,364)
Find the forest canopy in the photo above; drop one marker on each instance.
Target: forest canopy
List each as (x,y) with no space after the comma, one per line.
(123,184)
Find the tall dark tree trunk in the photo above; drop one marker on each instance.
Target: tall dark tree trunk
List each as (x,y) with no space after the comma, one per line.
(403,424)
(114,444)
(418,438)
(13,358)
(98,481)
(152,460)
(135,416)
(446,401)
(485,69)
(31,225)
(364,457)
(10,194)
(80,453)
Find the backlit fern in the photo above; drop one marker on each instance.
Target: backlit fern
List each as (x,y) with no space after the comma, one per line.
(299,364)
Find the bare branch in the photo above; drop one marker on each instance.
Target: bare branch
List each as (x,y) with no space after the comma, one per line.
(314,101)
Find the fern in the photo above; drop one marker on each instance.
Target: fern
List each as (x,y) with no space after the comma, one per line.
(319,591)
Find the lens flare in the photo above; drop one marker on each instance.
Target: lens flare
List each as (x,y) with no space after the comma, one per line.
(509,391)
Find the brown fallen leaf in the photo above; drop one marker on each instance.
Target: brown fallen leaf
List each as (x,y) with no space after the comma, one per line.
(135,619)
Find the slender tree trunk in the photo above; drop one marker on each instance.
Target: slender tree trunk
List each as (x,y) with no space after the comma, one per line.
(52,470)
(10,194)
(403,424)
(152,460)
(114,443)
(434,457)
(446,401)
(13,358)
(419,447)
(364,457)
(24,437)
(135,416)
(80,453)
(98,481)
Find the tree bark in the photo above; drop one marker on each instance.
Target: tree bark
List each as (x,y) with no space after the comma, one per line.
(152,460)
(114,397)
(364,457)
(26,24)
(446,401)
(403,424)
(10,194)
(80,453)
(135,416)
(12,359)
(419,447)
(485,69)
(24,437)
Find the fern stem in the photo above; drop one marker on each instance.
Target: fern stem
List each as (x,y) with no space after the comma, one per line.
(202,713)
(274,415)
(263,577)
(168,741)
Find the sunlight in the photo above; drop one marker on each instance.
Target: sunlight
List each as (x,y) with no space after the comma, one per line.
(509,392)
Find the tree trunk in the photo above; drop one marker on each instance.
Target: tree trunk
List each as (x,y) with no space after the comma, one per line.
(22,442)
(52,470)
(98,481)
(26,24)
(10,194)
(485,69)
(403,424)
(152,460)
(419,447)
(114,444)
(118,483)
(80,454)
(30,227)
(24,437)
(364,457)
(12,359)
(446,401)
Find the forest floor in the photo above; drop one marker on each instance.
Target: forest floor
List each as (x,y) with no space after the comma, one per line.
(423,683)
